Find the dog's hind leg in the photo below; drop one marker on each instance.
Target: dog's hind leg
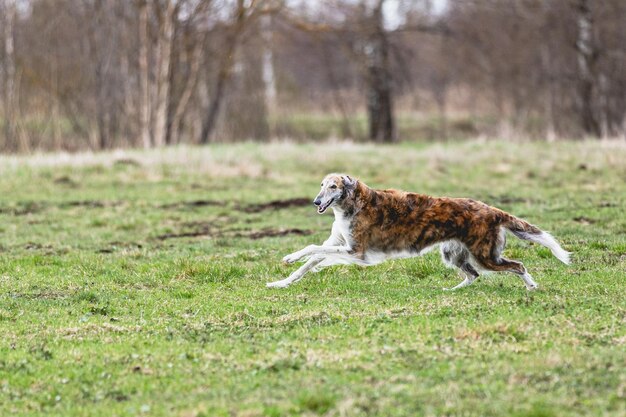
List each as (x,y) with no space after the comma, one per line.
(297,274)
(470,276)
(456,255)
(488,255)
(506,265)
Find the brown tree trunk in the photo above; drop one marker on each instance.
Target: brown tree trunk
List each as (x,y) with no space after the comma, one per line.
(269,77)
(96,40)
(216,101)
(379,94)
(228,59)
(144,92)
(550,94)
(103,109)
(587,59)
(10,131)
(173,128)
(346,129)
(164,54)
(441,98)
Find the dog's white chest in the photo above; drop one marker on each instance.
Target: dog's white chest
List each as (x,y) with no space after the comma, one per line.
(341,227)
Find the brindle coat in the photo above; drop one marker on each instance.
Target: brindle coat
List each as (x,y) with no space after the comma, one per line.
(398,224)
(392,220)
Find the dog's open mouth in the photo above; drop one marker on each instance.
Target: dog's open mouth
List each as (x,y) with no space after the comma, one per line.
(323,207)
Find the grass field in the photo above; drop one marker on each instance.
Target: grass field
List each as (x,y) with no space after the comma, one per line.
(133,283)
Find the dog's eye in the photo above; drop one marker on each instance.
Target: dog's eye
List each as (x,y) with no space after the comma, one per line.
(333,186)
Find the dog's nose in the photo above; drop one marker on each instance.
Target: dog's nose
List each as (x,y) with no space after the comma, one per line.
(317,201)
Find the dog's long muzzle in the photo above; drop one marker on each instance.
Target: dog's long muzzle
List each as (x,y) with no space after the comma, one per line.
(321,207)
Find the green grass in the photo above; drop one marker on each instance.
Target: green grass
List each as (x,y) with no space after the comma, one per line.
(103,311)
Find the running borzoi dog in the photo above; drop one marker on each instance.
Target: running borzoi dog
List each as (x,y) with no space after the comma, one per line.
(372,226)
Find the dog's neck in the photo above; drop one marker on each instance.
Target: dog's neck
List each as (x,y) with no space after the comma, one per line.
(354,201)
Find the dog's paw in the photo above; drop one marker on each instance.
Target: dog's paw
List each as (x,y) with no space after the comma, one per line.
(291,258)
(277,284)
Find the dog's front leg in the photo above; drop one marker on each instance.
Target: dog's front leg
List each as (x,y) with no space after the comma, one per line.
(296,256)
(297,274)
(315,250)
(334,239)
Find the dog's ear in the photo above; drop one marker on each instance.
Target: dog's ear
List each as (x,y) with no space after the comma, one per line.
(349,183)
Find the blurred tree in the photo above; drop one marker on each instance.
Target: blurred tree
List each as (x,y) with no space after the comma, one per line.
(378,77)
(88,73)
(9,12)
(227,61)
(166,14)
(588,54)
(144,90)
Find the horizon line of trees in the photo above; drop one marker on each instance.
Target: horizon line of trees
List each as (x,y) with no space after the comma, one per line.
(148,73)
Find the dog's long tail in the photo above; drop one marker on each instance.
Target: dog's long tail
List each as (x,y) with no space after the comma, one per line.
(527,231)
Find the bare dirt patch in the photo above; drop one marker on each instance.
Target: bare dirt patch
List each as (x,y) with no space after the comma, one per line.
(184,234)
(584,220)
(250,208)
(274,233)
(277,204)
(90,204)
(36,246)
(23,208)
(115,246)
(200,229)
(506,199)
(192,204)
(65,180)
(44,249)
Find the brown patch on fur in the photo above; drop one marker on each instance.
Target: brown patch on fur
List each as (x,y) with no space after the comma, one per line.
(392,220)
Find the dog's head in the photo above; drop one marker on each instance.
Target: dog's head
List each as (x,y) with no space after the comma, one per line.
(335,189)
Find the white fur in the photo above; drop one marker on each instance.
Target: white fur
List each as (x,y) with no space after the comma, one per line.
(546,239)
(296,275)
(341,227)
(375,257)
(530,282)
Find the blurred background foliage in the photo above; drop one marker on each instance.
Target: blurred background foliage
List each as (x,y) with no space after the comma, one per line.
(98,74)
